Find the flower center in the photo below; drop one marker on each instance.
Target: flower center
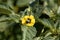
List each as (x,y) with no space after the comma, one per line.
(28,20)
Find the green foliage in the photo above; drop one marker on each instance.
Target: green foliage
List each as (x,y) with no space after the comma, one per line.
(47,19)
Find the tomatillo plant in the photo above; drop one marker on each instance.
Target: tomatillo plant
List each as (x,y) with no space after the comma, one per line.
(29,20)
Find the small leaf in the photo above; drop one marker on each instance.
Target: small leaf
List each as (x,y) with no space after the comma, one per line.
(49,12)
(22,3)
(15,17)
(3,26)
(50,38)
(28,33)
(58,11)
(5,9)
(46,22)
(37,38)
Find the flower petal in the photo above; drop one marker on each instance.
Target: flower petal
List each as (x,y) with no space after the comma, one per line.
(26,17)
(33,21)
(30,24)
(23,21)
(31,17)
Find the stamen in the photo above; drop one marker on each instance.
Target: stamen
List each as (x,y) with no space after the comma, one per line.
(28,20)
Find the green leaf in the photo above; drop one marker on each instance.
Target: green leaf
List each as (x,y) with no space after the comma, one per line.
(52,5)
(22,3)
(46,22)
(3,26)
(48,34)
(4,9)
(57,38)
(11,3)
(58,11)
(37,38)
(37,10)
(50,38)
(49,12)
(15,17)
(56,25)
(28,33)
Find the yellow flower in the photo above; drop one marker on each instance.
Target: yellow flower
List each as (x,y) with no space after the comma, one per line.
(28,20)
